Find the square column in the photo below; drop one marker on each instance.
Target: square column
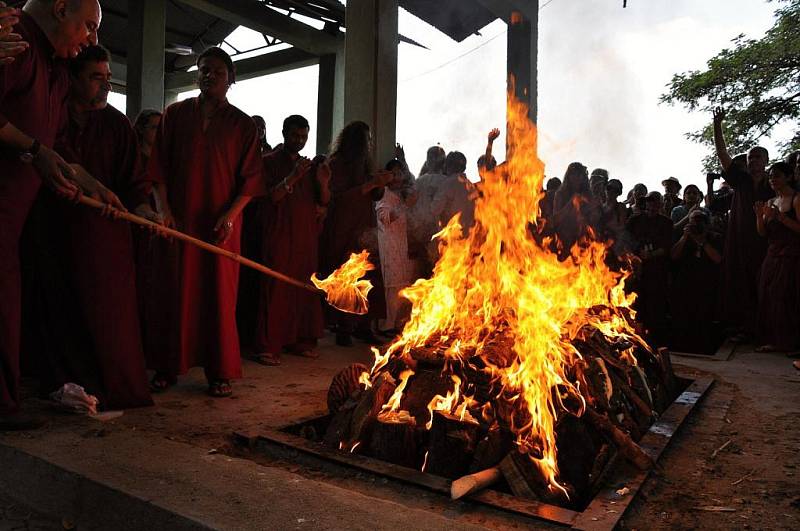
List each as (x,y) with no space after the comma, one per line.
(330,99)
(371,71)
(522,57)
(145,77)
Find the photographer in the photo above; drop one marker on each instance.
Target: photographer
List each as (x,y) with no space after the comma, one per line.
(696,258)
(691,202)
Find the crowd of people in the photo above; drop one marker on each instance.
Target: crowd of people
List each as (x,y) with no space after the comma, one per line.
(89,300)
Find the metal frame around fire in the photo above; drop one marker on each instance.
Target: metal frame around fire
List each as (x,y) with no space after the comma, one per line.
(603,513)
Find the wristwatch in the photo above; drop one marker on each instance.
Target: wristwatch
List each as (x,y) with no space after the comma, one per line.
(29,154)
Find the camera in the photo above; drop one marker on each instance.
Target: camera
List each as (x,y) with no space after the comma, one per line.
(713,176)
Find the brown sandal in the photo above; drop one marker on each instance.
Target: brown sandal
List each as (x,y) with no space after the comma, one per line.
(220,388)
(269,359)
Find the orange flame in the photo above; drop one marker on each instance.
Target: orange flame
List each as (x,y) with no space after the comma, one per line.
(345,289)
(394,401)
(500,281)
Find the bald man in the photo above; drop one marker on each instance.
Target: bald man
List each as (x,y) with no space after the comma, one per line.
(33,95)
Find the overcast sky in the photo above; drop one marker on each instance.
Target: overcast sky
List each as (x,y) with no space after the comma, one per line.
(602,69)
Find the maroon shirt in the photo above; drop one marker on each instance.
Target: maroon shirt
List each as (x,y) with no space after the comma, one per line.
(33,93)
(107,147)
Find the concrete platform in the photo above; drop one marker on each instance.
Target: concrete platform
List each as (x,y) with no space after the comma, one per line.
(173,467)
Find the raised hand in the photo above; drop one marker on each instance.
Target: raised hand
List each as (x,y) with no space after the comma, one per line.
(494,134)
(11,44)
(399,152)
(719,115)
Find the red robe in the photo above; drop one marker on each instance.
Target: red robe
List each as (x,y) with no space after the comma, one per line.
(289,316)
(203,171)
(652,284)
(33,92)
(744,251)
(83,272)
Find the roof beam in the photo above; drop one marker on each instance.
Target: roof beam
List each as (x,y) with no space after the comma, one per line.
(503,8)
(260,65)
(263,19)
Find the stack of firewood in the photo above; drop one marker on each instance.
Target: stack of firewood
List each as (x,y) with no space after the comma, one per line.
(621,399)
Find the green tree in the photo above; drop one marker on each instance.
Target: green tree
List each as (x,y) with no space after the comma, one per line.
(756,81)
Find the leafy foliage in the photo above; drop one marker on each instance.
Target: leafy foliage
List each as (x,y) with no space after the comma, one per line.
(756,81)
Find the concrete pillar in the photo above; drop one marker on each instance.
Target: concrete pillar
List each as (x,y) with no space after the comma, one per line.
(145,76)
(371,70)
(330,99)
(522,58)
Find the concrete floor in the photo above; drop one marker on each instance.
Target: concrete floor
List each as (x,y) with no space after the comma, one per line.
(172,466)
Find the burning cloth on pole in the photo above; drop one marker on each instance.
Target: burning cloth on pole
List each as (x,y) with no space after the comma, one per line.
(512,359)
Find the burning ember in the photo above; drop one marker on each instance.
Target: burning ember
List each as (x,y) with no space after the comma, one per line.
(512,360)
(345,289)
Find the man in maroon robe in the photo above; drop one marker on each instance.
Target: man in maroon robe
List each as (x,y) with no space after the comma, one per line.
(33,92)
(87,324)
(206,164)
(744,248)
(652,234)
(288,317)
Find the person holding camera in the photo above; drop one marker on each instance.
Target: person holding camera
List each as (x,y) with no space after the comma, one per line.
(779,283)
(695,258)
(691,202)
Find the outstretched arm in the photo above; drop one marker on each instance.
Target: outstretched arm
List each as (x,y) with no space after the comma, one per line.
(493,135)
(719,139)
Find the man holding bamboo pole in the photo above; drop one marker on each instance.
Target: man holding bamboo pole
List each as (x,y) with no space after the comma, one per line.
(206,166)
(79,272)
(33,91)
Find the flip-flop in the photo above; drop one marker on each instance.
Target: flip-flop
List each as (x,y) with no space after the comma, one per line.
(269,359)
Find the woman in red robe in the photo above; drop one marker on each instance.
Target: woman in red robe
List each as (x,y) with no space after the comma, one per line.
(351,215)
(207,166)
(290,318)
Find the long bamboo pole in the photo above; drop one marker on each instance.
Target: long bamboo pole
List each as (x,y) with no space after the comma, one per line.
(138,220)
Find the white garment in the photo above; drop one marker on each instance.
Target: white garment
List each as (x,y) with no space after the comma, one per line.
(397,268)
(453,197)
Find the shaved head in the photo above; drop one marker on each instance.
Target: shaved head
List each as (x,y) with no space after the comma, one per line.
(70,25)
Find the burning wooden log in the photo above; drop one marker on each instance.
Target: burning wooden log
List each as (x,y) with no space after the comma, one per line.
(393,438)
(345,386)
(627,447)
(492,448)
(349,425)
(452,444)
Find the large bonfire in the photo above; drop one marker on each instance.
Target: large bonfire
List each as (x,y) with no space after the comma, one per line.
(511,351)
